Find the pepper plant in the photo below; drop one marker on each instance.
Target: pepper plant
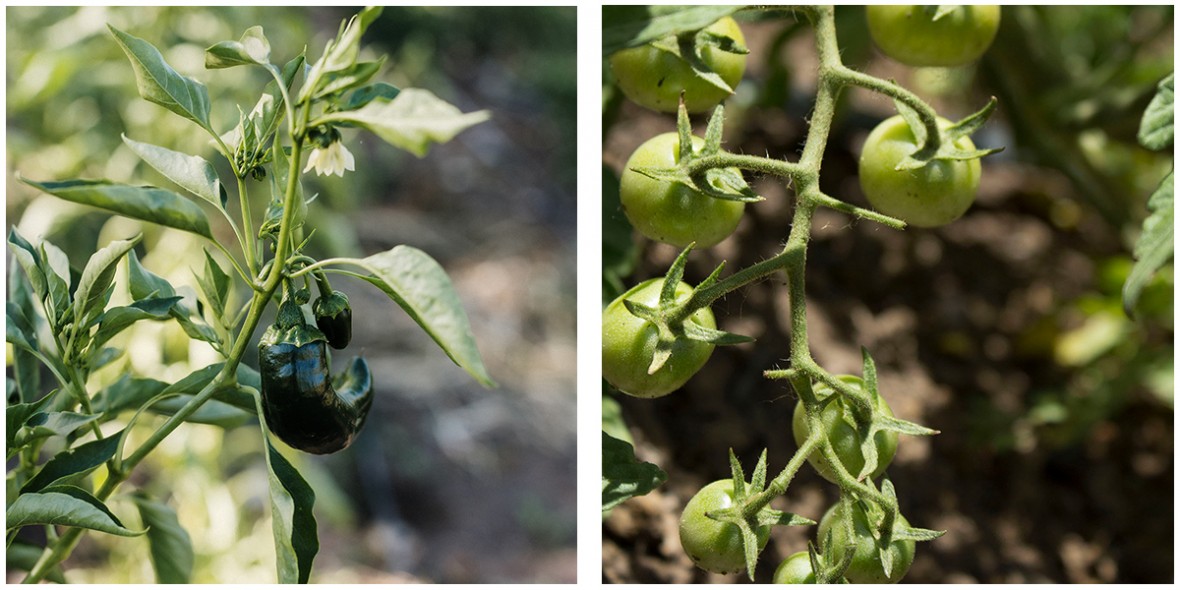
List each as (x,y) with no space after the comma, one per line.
(72,448)
(916,170)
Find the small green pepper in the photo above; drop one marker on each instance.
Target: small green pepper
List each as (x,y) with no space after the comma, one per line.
(302,405)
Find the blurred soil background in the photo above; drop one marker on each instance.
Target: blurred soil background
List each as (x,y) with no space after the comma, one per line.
(1003,330)
(448,482)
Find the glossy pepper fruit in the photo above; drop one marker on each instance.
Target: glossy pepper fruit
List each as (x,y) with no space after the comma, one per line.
(333,316)
(303,406)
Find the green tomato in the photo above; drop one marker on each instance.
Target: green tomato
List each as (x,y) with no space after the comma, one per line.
(795,569)
(909,34)
(837,420)
(654,78)
(866,565)
(670,212)
(936,194)
(713,545)
(628,345)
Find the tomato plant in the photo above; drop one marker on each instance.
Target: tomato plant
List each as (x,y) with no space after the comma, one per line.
(841,431)
(930,36)
(866,567)
(713,545)
(629,342)
(653,77)
(935,194)
(668,211)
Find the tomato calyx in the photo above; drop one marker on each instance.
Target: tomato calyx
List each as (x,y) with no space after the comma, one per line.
(943,146)
(720,182)
(689,46)
(751,509)
(671,319)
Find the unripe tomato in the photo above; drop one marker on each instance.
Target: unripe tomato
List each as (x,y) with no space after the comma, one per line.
(837,420)
(669,212)
(936,194)
(629,343)
(713,545)
(654,78)
(866,565)
(909,34)
(795,569)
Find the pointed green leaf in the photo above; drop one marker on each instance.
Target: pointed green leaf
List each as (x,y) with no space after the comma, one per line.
(422,288)
(1156,244)
(192,173)
(161,84)
(27,256)
(65,506)
(76,461)
(171,547)
(252,49)
(1157,130)
(47,424)
(363,96)
(146,203)
(97,277)
(413,120)
(291,501)
(695,331)
(117,319)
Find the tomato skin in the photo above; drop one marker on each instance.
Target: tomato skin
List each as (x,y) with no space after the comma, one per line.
(936,194)
(866,561)
(909,35)
(844,437)
(654,78)
(628,345)
(670,212)
(795,569)
(713,545)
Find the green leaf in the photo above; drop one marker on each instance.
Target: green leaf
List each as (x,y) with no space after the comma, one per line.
(47,424)
(146,203)
(97,277)
(214,283)
(623,475)
(252,49)
(422,288)
(171,547)
(161,84)
(1156,244)
(16,415)
(291,502)
(65,506)
(192,173)
(363,96)
(341,52)
(1157,130)
(632,26)
(27,256)
(349,78)
(76,461)
(19,331)
(413,120)
(117,319)
(56,266)
(619,251)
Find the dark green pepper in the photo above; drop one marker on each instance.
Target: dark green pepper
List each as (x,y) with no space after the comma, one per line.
(302,405)
(333,316)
